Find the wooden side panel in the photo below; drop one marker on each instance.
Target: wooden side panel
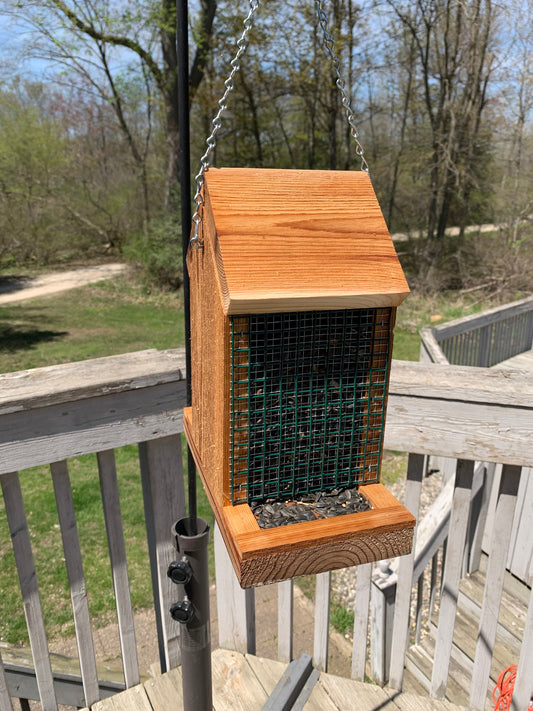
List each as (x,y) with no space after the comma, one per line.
(209,361)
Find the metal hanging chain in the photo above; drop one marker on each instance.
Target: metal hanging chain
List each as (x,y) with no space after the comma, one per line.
(217,121)
(341,85)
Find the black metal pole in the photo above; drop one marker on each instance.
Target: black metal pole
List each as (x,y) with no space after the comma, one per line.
(191,571)
(185,198)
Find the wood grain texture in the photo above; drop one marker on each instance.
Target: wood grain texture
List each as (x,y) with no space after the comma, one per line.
(501,536)
(285,620)
(119,564)
(236,607)
(164,504)
(210,365)
(321,636)
(40,387)
(76,580)
(61,431)
(360,624)
(235,686)
(271,555)
(400,631)
(298,240)
(5,699)
(20,537)
(463,412)
(523,689)
(451,578)
(349,694)
(165,692)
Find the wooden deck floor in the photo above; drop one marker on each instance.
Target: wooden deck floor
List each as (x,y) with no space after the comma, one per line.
(243,683)
(523,361)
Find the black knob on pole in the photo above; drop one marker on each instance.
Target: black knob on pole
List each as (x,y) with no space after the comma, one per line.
(182,611)
(180,572)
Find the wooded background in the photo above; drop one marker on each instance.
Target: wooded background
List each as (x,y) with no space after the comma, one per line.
(442,94)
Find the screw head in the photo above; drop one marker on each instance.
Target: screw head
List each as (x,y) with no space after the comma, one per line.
(182,611)
(180,572)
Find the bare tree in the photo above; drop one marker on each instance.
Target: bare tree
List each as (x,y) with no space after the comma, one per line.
(83,35)
(454,64)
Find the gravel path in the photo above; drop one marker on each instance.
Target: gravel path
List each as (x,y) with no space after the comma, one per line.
(13,289)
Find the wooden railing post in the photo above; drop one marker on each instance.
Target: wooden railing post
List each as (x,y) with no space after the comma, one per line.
(164,504)
(452,573)
(382,596)
(492,594)
(523,689)
(76,581)
(285,620)
(5,699)
(321,638)
(20,537)
(119,566)
(235,606)
(400,632)
(360,624)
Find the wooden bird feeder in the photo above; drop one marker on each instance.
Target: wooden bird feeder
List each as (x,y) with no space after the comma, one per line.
(293,301)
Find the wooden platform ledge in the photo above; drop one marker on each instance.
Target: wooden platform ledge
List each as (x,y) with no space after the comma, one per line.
(270,555)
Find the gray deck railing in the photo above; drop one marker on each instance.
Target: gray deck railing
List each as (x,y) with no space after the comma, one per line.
(50,415)
(481,340)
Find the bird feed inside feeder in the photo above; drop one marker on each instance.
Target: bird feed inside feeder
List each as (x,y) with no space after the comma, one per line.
(293,301)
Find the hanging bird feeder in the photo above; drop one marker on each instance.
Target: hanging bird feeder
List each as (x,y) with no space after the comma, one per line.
(294,284)
(293,302)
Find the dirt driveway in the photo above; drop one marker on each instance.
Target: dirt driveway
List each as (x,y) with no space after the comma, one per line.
(14,289)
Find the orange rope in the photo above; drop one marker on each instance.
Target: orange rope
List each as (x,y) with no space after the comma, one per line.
(503,691)
(504,688)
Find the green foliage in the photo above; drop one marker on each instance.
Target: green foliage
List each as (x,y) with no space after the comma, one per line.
(158,253)
(32,167)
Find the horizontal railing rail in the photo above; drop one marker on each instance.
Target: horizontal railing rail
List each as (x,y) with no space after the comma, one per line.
(481,340)
(49,415)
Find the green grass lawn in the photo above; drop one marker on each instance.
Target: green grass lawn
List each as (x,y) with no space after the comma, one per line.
(104,319)
(110,317)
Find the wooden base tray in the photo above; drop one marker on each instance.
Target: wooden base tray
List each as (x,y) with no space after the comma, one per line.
(270,555)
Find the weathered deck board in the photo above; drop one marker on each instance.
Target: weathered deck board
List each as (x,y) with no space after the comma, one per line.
(522,361)
(244,682)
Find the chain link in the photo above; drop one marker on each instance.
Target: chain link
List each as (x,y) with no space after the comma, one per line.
(217,121)
(345,99)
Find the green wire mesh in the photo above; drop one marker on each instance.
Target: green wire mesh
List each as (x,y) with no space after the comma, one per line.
(308,394)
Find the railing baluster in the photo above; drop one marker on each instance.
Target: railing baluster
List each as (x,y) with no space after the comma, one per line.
(419,604)
(236,607)
(433,587)
(164,504)
(492,594)
(321,637)
(452,573)
(119,565)
(400,631)
(285,620)
(360,624)
(18,527)
(481,518)
(5,699)
(76,579)
(523,688)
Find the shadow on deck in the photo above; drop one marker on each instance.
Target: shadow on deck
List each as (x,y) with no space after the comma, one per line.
(245,682)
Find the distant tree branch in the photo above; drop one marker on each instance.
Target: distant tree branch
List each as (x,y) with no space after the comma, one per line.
(119,40)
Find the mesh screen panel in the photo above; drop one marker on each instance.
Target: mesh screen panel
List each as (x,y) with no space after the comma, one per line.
(308,394)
